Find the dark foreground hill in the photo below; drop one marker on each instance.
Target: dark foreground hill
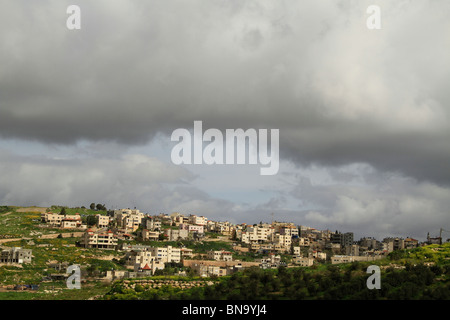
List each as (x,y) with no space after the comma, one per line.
(421,273)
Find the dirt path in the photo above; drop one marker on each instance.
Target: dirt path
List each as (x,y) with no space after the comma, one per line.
(11,240)
(5,214)
(32,209)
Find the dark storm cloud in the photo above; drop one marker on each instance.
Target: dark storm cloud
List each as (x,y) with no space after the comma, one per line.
(338,92)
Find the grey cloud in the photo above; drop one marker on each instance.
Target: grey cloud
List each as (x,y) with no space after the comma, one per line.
(131,180)
(374,204)
(339,93)
(125,181)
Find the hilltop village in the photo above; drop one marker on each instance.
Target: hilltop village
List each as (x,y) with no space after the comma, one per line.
(144,244)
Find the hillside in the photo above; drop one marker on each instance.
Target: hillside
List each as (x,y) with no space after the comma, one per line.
(422,273)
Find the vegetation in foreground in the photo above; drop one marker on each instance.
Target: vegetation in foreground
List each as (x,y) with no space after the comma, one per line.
(404,276)
(421,273)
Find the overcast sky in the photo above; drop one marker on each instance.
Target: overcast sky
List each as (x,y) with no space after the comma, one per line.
(86,115)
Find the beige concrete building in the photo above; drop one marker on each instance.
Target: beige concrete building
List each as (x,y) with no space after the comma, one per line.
(102,221)
(220,255)
(99,239)
(128,219)
(166,254)
(289,231)
(303,242)
(63,221)
(318,255)
(148,235)
(186,253)
(303,261)
(72,222)
(15,255)
(352,250)
(282,240)
(144,261)
(176,234)
(192,228)
(348,259)
(198,220)
(271,261)
(207,267)
(52,219)
(411,243)
(391,244)
(256,234)
(152,224)
(208,271)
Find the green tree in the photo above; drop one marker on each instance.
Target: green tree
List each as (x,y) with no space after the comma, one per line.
(91,220)
(100,206)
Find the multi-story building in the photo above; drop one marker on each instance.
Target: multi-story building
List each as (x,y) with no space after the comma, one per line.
(192,228)
(102,221)
(151,223)
(186,253)
(272,261)
(63,221)
(344,239)
(148,235)
(69,224)
(303,242)
(289,230)
(261,247)
(132,222)
(282,240)
(352,250)
(52,219)
(256,234)
(166,254)
(99,239)
(318,255)
(224,228)
(178,219)
(411,243)
(391,244)
(369,243)
(303,261)
(388,246)
(128,219)
(197,220)
(144,261)
(72,222)
(347,259)
(208,270)
(176,234)
(15,255)
(220,255)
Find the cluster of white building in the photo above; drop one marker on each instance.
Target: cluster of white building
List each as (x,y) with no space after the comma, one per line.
(306,245)
(63,221)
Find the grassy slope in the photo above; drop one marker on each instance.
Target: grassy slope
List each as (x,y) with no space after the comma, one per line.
(25,225)
(344,281)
